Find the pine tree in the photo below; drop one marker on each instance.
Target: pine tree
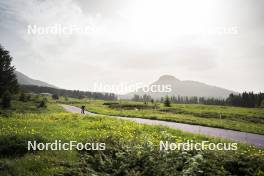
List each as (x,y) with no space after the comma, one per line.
(167,102)
(22,97)
(6,99)
(262,104)
(8,81)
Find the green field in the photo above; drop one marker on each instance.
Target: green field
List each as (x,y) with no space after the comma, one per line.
(131,148)
(235,118)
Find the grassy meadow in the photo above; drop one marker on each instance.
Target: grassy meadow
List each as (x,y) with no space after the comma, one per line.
(131,149)
(235,118)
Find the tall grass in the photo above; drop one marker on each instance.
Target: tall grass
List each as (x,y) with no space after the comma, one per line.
(131,148)
(240,119)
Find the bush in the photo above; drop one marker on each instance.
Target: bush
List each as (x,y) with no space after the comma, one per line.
(55,97)
(42,103)
(130,159)
(262,104)
(28,97)
(167,102)
(22,97)
(129,106)
(110,103)
(16,146)
(6,99)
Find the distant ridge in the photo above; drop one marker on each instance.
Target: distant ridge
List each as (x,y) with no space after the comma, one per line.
(25,80)
(183,88)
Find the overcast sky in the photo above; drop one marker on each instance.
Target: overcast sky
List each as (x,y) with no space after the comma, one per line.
(218,42)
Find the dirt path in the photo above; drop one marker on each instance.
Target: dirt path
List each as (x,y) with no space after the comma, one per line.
(250,138)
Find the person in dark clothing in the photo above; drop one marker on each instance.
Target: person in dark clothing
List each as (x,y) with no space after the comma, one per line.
(82,110)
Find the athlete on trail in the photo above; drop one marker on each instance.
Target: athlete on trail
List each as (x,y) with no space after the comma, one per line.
(82,110)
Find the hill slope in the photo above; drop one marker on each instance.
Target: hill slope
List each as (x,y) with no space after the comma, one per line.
(25,80)
(182,88)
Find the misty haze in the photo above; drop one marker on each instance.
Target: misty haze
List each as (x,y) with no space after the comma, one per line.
(131,87)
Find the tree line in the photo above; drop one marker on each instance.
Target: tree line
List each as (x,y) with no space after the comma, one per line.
(245,99)
(68,93)
(181,100)
(197,100)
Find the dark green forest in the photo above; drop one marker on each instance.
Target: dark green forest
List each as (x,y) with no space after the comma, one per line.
(68,93)
(245,99)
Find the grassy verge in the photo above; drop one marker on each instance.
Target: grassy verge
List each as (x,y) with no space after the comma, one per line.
(131,148)
(129,145)
(240,119)
(30,107)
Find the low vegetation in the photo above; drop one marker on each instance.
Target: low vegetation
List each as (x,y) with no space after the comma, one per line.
(131,148)
(235,118)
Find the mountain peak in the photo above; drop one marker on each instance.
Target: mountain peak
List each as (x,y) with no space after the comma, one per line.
(168,78)
(182,88)
(25,80)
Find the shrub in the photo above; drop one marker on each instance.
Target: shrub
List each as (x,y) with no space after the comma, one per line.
(129,158)
(110,103)
(6,99)
(14,146)
(262,104)
(55,97)
(42,103)
(28,97)
(130,106)
(167,102)
(22,97)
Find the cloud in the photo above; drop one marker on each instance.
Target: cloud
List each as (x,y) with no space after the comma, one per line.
(178,57)
(136,41)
